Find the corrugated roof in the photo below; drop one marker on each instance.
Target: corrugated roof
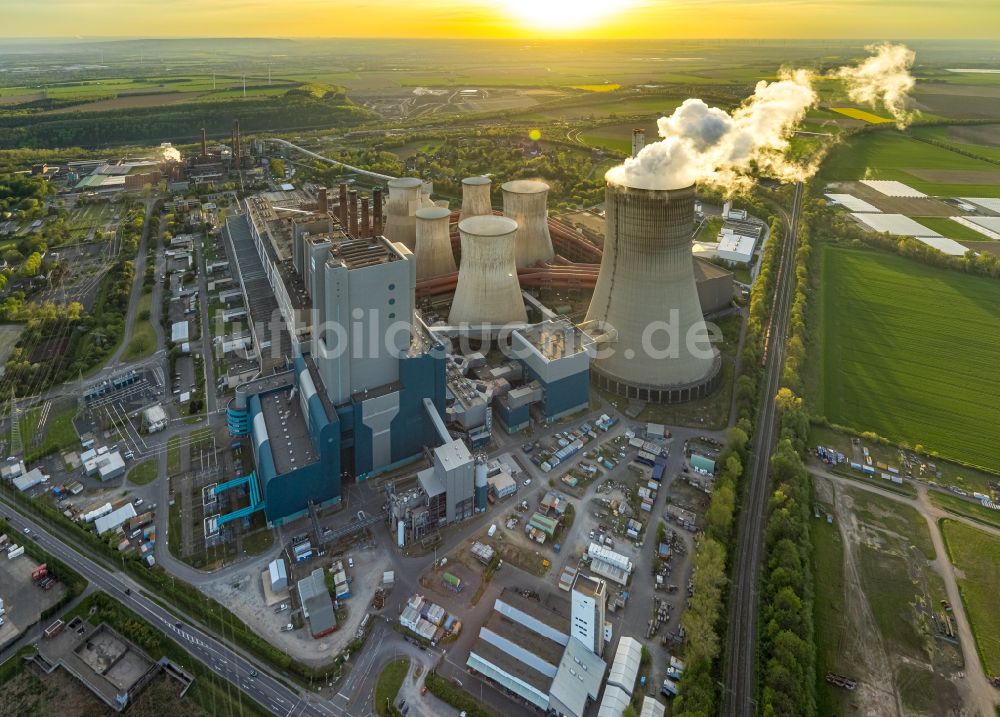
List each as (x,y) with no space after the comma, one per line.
(625,668)
(579,678)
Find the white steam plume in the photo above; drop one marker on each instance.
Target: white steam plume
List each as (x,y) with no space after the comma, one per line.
(884,77)
(169,153)
(707,144)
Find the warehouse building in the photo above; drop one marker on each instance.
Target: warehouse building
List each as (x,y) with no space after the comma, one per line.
(621,678)
(317,606)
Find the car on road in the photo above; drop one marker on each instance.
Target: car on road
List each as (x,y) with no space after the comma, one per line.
(139,502)
(177,625)
(527,481)
(350,562)
(27,531)
(527,447)
(253,673)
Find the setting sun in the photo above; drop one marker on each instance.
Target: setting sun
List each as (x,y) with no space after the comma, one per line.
(562,15)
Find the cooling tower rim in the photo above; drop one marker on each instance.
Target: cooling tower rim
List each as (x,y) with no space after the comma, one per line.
(525,186)
(405,183)
(487,225)
(432,213)
(477,181)
(617,186)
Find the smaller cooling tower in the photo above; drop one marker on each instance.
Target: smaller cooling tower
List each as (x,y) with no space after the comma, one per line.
(434,255)
(425,195)
(488,291)
(475,197)
(524,201)
(481,483)
(401,209)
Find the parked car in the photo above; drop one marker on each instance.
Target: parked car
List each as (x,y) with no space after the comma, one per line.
(527,481)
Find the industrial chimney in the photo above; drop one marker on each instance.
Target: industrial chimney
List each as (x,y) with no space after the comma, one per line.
(488,291)
(366,225)
(434,255)
(204,143)
(475,197)
(524,201)
(645,313)
(342,207)
(481,483)
(324,201)
(352,212)
(401,210)
(638,141)
(377,211)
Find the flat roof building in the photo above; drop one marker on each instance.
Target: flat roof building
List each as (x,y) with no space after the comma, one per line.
(317,604)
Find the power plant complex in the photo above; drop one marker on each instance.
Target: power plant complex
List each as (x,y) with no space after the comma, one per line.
(354,301)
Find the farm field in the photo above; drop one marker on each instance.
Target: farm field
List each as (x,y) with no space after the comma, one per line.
(946,227)
(903,352)
(977,555)
(891,155)
(862,115)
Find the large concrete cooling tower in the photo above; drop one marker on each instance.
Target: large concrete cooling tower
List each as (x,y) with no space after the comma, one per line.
(475,197)
(434,255)
(401,210)
(655,345)
(488,291)
(524,201)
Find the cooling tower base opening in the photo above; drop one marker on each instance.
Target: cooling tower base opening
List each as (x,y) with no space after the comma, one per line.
(680,393)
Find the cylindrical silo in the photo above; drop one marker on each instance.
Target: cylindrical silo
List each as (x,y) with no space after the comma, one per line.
(481,483)
(434,255)
(653,343)
(488,291)
(401,210)
(475,197)
(524,201)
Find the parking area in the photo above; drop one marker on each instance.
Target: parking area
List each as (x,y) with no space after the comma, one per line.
(24,597)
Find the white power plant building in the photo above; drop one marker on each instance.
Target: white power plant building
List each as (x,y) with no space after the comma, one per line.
(488,291)
(588,600)
(434,255)
(405,198)
(475,197)
(525,201)
(645,313)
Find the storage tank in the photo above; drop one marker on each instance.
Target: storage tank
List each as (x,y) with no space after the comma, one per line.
(488,291)
(401,210)
(525,201)
(475,197)
(645,314)
(481,483)
(434,254)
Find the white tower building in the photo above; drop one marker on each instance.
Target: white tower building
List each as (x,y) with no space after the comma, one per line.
(645,314)
(405,198)
(638,141)
(488,291)
(434,255)
(524,201)
(475,197)
(587,611)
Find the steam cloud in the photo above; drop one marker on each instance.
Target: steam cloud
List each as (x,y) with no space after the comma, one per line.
(169,154)
(707,144)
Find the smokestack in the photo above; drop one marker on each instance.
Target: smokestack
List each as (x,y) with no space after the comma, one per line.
(475,197)
(638,141)
(401,211)
(342,207)
(646,302)
(434,255)
(488,291)
(366,226)
(524,201)
(324,202)
(204,143)
(377,210)
(352,211)
(237,145)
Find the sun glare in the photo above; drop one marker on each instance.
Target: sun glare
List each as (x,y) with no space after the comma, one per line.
(562,15)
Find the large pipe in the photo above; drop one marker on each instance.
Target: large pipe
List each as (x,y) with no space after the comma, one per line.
(524,201)
(646,294)
(433,250)
(366,226)
(401,211)
(487,291)
(352,212)
(377,211)
(475,197)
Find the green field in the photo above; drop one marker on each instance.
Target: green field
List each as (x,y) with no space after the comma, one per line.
(144,472)
(388,686)
(977,555)
(891,155)
(953,230)
(58,435)
(960,506)
(143,341)
(828,613)
(905,351)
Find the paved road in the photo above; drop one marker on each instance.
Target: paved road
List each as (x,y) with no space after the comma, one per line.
(983,696)
(225,662)
(741,634)
(137,282)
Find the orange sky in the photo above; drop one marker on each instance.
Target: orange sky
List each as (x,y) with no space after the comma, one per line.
(503,18)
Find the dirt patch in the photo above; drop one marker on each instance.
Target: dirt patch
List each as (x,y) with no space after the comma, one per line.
(993,247)
(956,176)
